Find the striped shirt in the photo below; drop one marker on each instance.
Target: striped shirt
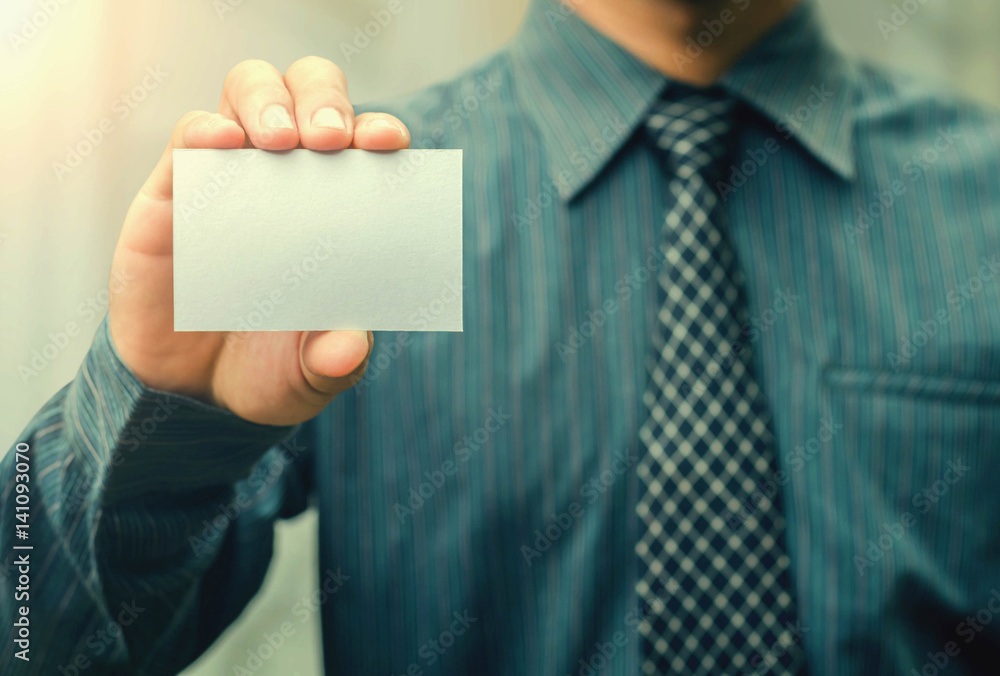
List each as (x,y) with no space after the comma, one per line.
(476,490)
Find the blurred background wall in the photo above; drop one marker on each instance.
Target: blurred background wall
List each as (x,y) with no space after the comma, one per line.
(68,67)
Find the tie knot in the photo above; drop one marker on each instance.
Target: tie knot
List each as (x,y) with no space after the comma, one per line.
(692,129)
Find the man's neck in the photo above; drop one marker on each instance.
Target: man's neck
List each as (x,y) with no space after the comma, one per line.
(693,41)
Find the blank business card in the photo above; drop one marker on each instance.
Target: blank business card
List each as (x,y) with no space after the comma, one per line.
(304,240)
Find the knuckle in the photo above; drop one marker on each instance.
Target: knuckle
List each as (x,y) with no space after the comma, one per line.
(310,62)
(313,66)
(247,68)
(267,93)
(189,117)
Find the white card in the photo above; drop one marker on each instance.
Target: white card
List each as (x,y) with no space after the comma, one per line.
(304,240)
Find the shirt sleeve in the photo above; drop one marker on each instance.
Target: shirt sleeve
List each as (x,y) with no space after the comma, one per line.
(149,518)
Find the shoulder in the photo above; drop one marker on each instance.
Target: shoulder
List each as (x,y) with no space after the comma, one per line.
(911,117)
(445,115)
(913,134)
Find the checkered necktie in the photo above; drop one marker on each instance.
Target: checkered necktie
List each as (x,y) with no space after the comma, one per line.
(713,572)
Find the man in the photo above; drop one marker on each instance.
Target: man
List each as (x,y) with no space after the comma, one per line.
(726,400)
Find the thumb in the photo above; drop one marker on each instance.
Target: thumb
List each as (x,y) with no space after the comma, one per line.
(333,361)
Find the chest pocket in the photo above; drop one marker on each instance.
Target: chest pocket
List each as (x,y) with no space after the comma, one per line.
(923,452)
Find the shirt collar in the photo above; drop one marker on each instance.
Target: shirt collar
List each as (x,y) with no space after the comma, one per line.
(798,80)
(586,95)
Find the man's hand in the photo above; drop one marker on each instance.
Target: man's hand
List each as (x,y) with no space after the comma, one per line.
(276,378)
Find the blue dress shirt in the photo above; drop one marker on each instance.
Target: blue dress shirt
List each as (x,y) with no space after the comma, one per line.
(476,490)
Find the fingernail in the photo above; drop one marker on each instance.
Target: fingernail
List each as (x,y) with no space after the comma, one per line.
(276,116)
(382,123)
(330,118)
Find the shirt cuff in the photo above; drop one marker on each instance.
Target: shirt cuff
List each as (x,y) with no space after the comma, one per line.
(141,443)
